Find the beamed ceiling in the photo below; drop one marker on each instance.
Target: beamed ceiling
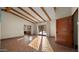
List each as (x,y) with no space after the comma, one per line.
(31,14)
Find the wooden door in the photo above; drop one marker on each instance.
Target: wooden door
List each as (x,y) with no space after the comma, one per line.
(64,31)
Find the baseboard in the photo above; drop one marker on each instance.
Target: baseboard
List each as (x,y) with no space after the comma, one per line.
(12,38)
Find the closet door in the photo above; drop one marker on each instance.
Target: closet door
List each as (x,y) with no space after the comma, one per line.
(64,31)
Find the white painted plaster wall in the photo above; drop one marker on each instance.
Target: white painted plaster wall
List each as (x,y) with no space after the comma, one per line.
(13,26)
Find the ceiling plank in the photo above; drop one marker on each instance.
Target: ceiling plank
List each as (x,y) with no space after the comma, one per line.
(36,13)
(22,14)
(45,13)
(16,15)
(28,13)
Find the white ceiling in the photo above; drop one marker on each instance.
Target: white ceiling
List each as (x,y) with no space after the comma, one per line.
(63,12)
(39,11)
(58,12)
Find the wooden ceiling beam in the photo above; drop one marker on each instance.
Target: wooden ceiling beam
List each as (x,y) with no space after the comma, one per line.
(28,13)
(36,13)
(23,14)
(46,13)
(7,9)
(16,15)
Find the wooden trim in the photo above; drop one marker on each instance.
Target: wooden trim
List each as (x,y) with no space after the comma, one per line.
(17,15)
(36,13)
(22,14)
(7,9)
(46,13)
(28,13)
(12,38)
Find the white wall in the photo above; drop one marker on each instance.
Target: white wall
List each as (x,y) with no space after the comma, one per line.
(12,26)
(52,23)
(53,28)
(34,29)
(63,12)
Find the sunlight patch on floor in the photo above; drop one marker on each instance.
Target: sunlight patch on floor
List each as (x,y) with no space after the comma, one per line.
(46,47)
(35,43)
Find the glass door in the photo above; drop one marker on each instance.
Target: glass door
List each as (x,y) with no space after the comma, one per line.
(42,30)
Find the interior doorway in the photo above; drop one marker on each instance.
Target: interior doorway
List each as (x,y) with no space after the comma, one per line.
(27,29)
(42,30)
